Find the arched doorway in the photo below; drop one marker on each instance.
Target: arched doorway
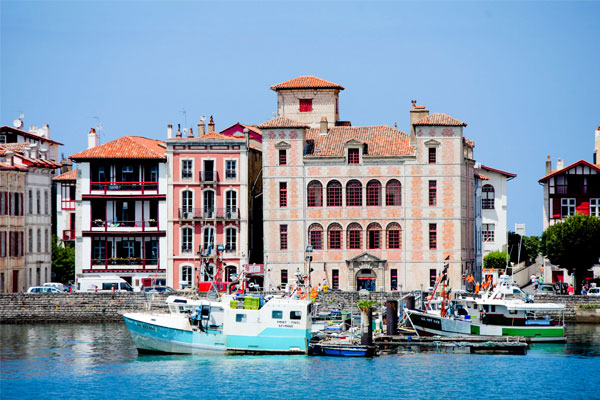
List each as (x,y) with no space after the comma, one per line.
(230,270)
(365,279)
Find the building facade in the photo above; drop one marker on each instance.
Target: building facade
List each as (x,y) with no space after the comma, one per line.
(66,185)
(213,182)
(364,207)
(121,209)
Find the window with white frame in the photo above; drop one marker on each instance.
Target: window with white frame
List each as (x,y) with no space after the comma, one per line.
(187,201)
(567,207)
(186,239)
(231,201)
(595,207)
(186,275)
(488,233)
(186,169)
(230,239)
(208,243)
(230,169)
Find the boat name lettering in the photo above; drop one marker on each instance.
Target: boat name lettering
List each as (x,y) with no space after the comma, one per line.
(149,327)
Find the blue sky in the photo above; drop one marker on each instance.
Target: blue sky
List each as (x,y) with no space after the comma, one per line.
(524,76)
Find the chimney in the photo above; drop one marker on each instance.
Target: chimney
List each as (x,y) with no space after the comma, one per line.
(178,133)
(548,166)
(416,113)
(33,129)
(169,131)
(246,133)
(560,164)
(201,127)
(597,147)
(46,130)
(324,126)
(211,125)
(191,134)
(9,154)
(92,139)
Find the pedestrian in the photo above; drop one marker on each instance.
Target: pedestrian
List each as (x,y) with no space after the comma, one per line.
(571,290)
(532,279)
(536,283)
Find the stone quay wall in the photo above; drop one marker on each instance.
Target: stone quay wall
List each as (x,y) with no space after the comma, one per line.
(19,308)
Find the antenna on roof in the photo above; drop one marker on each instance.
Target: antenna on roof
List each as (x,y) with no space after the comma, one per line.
(98,128)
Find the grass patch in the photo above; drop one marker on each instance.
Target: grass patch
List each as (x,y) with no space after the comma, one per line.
(589,306)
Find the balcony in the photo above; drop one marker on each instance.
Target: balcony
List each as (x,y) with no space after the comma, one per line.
(126,226)
(143,187)
(226,214)
(209,177)
(125,261)
(69,234)
(67,204)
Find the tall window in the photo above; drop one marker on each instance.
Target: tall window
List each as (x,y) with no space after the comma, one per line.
(39,202)
(283,237)
(374,236)
(209,203)
(432,193)
(305,105)
(373,193)
(432,277)
(353,156)
(394,236)
(487,197)
(315,236)
(334,194)
(209,239)
(433,236)
(595,207)
(561,184)
(488,232)
(187,203)
(230,239)
(284,277)
(335,278)
(30,240)
(354,236)
(432,155)
(282,194)
(315,194)
(282,157)
(186,274)
(186,239)
(46,241)
(393,279)
(30,201)
(46,203)
(567,207)
(230,169)
(334,234)
(186,169)
(393,193)
(39,240)
(230,201)
(354,193)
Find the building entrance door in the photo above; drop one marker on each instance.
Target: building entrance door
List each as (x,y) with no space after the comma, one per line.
(366,279)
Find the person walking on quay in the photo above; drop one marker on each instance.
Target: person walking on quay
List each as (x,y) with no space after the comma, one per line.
(571,290)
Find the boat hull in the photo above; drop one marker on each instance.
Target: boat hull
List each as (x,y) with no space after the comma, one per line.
(431,325)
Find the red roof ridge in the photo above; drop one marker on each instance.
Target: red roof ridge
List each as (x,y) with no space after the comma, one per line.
(306,82)
(67,176)
(439,119)
(509,174)
(576,163)
(282,122)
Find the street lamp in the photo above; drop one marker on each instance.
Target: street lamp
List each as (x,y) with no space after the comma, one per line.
(308,258)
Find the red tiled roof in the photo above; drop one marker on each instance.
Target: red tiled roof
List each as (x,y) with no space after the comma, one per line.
(19,148)
(557,172)
(27,134)
(439,119)
(482,177)
(16,147)
(306,82)
(282,122)
(6,166)
(67,176)
(381,140)
(499,171)
(253,128)
(125,147)
(217,135)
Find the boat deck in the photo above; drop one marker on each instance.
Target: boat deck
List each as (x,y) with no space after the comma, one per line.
(441,344)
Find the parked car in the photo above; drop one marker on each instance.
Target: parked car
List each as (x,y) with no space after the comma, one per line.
(595,291)
(106,284)
(56,285)
(546,288)
(159,289)
(43,289)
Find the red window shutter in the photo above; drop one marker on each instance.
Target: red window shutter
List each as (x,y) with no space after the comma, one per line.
(305,105)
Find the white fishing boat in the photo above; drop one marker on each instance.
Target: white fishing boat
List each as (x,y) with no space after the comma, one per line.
(251,324)
(503,310)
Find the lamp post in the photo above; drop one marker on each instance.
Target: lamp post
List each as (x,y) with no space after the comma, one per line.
(308,258)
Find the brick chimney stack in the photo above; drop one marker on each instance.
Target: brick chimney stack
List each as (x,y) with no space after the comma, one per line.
(178,133)
(548,165)
(211,125)
(416,113)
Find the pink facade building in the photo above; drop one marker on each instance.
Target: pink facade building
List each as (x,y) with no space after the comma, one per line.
(213,183)
(368,207)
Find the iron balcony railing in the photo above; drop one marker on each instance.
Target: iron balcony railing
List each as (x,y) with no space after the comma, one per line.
(125,186)
(137,261)
(147,223)
(210,213)
(209,176)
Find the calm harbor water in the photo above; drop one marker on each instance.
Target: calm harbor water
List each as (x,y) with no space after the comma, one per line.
(98,361)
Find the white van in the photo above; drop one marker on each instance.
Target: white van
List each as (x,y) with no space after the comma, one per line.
(103,284)
(56,285)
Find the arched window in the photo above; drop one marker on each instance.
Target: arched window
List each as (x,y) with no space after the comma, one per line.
(187,204)
(373,193)
(393,193)
(487,197)
(315,194)
(230,239)
(186,239)
(334,236)
(315,236)
(354,193)
(334,194)
(354,236)
(209,203)
(394,236)
(374,236)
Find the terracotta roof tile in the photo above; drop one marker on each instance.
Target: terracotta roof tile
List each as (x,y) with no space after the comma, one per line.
(306,82)
(482,177)
(125,147)
(253,128)
(439,119)
(19,148)
(282,122)
(217,135)
(6,166)
(67,176)
(15,147)
(381,140)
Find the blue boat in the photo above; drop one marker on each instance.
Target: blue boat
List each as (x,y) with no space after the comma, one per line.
(342,350)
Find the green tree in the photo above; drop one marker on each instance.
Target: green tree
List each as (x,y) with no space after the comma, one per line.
(63,261)
(496,260)
(529,248)
(573,244)
(532,245)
